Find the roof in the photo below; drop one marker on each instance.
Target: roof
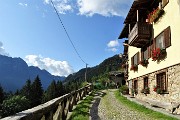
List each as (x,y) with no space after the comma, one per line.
(115,73)
(124,32)
(143,6)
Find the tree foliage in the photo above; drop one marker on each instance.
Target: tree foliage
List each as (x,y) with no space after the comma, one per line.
(54,90)
(98,73)
(14,104)
(1,94)
(37,92)
(27,91)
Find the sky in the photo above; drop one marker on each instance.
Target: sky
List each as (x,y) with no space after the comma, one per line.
(30,29)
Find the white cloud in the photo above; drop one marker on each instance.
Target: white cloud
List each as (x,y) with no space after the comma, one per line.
(47,1)
(23,4)
(104,7)
(2,50)
(62,6)
(113,43)
(60,68)
(113,49)
(92,7)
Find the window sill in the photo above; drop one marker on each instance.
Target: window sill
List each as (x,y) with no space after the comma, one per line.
(163,93)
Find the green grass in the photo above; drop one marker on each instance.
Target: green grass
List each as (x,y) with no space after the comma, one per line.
(142,109)
(81,112)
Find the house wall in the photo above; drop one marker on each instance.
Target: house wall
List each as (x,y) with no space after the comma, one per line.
(173,94)
(170,18)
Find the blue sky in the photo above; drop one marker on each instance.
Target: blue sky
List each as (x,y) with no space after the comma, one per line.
(30,29)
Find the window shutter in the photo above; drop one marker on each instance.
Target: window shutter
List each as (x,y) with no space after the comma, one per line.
(138,58)
(153,46)
(167,37)
(164,2)
(132,60)
(142,54)
(149,51)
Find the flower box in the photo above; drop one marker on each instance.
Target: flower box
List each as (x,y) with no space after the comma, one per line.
(145,90)
(158,54)
(134,67)
(144,62)
(158,90)
(155,15)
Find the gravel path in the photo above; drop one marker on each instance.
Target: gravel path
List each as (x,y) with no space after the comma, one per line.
(107,107)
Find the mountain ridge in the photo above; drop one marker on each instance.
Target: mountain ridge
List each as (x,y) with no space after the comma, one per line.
(14,72)
(110,64)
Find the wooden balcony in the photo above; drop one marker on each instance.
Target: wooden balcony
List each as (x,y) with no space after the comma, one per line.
(140,34)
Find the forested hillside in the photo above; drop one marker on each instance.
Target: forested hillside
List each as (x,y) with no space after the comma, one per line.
(109,64)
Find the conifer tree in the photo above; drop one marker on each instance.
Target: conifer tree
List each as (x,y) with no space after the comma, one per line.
(51,91)
(37,92)
(60,88)
(27,90)
(1,94)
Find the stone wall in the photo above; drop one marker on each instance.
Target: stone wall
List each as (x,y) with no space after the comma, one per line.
(173,86)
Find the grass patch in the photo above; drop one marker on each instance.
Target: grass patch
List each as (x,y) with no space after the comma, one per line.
(142,109)
(81,112)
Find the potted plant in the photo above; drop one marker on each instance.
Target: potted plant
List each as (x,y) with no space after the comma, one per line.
(145,90)
(124,90)
(144,62)
(157,90)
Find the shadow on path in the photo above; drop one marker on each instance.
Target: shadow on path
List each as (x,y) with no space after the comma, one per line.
(94,109)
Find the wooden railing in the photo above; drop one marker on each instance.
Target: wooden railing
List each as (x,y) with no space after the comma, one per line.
(56,109)
(140,31)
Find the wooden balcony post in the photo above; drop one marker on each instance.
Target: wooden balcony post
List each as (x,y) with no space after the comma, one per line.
(137,15)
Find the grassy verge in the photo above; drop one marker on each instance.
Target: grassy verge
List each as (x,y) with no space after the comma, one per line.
(142,109)
(81,112)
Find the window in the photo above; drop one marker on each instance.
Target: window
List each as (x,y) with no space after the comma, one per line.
(144,53)
(135,59)
(160,41)
(164,2)
(146,82)
(163,40)
(161,82)
(135,86)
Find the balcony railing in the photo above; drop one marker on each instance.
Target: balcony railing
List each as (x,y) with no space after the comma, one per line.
(56,109)
(140,34)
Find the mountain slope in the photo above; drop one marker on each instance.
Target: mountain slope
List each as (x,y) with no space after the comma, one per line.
(14,72)
(109,64)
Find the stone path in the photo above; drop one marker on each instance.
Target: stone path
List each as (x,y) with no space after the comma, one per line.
(107,107)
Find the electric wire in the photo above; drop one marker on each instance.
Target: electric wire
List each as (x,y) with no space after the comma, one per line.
(67,33)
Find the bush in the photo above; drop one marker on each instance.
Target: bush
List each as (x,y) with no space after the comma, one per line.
(124,89)
(13,105)
(99,86)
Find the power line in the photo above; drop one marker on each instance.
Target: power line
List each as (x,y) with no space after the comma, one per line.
(67,33)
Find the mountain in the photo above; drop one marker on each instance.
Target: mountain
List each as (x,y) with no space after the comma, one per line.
(14,72)
(109,64)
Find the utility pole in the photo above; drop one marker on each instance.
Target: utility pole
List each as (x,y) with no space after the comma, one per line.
(86,73)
